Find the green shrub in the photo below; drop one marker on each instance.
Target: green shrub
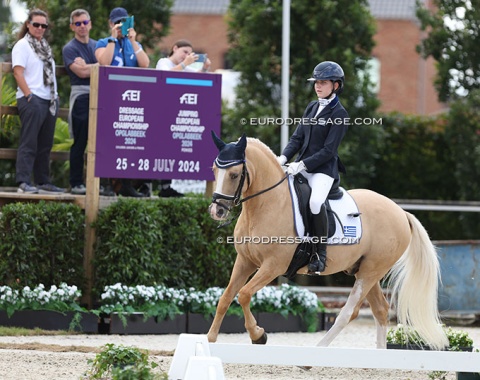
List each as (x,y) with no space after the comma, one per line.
(41,244)
(192,247)
(165,241)
(122,362)
(129,240)
(156,241)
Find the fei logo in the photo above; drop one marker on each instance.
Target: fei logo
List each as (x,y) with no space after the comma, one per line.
(132,95)
(188,99)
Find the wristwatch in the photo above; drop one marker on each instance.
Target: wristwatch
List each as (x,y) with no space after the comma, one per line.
(112,40)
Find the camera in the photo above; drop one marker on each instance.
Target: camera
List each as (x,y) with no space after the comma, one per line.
(127,24)
(201,58)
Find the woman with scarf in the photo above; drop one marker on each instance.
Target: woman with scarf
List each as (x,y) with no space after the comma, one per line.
(37,101)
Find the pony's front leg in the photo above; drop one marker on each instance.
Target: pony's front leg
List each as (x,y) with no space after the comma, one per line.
(240,274)
(257,334)
(262,278)
(222,307)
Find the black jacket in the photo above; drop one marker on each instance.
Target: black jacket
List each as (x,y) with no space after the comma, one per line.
(317,142)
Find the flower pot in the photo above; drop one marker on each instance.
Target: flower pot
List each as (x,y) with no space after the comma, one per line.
(468,376)
(137,324)
(326,320)
(49,320)
(199,324)
(274,322)
(393,346)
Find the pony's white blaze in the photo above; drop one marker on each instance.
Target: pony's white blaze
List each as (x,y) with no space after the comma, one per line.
(392,238)
(214,209)
(221,173)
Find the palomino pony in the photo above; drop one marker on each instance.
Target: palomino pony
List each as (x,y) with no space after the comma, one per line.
(393,242)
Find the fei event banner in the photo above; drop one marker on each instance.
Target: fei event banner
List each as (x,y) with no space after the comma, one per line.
(154,124)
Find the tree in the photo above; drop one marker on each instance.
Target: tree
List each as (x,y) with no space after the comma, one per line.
(4,19)
(453,28)
(340,31)
(463,134)
(4,13)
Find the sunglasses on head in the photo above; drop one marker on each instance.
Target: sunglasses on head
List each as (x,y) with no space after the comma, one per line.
(120,21)
(84,22)
(38,25)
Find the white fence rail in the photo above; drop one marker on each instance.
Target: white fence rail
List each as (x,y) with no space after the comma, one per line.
(433,205)
(347,357)
(197,359)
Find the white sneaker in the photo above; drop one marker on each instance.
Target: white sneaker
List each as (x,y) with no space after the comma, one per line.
(79,190)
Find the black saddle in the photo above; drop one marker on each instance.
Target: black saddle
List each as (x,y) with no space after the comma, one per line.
(303,191)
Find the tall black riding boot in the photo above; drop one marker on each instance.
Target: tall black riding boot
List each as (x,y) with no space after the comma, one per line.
(319,256)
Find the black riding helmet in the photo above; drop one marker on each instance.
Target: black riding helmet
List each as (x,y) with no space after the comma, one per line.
(329,70)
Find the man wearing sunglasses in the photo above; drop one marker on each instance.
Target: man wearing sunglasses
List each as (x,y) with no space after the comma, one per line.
(78,57)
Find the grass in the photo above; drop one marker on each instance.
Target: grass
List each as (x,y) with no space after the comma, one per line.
(20,331)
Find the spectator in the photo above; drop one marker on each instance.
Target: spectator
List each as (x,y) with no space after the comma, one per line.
(120,50)
(180,58)
(78,57)
(37,100)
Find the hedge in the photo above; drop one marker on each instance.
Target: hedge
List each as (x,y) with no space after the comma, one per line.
(157,241)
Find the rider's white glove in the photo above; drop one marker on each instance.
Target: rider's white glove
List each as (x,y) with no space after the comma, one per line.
(282,160)
(295,167)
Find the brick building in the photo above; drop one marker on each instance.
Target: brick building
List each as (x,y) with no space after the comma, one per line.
(405,80)
(203,23)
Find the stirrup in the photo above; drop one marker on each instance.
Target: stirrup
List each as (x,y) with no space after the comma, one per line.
(316,266)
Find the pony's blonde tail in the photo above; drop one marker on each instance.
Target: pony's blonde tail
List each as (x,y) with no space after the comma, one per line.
(414,283)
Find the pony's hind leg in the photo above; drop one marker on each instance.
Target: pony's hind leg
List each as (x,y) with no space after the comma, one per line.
(348,313)
(379,306)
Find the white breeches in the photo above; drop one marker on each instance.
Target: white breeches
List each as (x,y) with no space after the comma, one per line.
(321,185)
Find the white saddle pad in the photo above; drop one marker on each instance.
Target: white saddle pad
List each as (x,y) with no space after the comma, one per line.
(348,230)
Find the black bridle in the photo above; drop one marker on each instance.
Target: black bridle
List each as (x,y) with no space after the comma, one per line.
(236,198)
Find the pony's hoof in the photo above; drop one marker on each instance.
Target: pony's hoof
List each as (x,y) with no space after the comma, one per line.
(261,340)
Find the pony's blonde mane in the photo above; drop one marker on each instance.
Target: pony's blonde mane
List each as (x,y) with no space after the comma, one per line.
(259,144)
